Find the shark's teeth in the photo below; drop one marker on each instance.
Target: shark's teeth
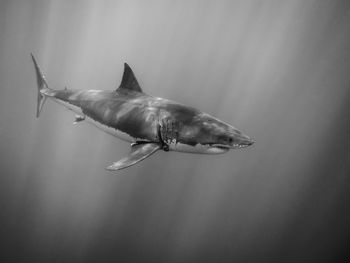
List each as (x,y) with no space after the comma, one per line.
(239,145)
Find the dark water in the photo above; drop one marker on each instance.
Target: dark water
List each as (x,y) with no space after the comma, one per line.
(277,70)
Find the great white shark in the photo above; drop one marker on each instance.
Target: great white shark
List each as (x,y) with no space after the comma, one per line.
(148,123)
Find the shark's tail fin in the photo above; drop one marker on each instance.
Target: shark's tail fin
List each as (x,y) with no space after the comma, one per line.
(43,88)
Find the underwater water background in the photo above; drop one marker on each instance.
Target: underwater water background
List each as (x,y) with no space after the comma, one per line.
(277,70)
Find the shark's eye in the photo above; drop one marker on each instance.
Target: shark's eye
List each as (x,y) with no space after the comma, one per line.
(230,140)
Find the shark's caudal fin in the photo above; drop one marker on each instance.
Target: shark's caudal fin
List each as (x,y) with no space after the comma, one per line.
(43,88)
(129,81)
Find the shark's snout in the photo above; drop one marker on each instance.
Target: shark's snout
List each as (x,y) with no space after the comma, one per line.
(247,141)
(241,141)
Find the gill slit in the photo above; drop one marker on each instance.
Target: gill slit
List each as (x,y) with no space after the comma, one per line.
(163,144)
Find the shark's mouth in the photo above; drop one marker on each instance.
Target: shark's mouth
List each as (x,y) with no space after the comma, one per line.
(227,147)
(220,147)
(238,146)
(223,147)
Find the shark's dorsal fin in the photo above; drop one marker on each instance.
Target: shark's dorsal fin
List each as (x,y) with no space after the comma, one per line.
(129,82)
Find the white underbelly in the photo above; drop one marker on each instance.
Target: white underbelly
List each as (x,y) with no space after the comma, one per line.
(110,130)
(198,148)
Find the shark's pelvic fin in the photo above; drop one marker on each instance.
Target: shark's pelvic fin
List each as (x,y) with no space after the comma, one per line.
(138,153)
(78,118)
(129,81)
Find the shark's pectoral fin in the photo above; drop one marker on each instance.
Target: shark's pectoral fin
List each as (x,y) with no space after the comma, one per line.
(137,154)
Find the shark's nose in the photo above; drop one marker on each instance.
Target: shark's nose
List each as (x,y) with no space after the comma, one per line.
(247,141)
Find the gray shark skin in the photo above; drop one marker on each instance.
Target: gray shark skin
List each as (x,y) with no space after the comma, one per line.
(148,123)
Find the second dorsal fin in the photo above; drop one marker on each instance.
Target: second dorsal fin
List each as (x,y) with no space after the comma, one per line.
(129,82)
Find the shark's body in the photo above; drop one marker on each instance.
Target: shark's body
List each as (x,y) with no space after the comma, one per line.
(148,123)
